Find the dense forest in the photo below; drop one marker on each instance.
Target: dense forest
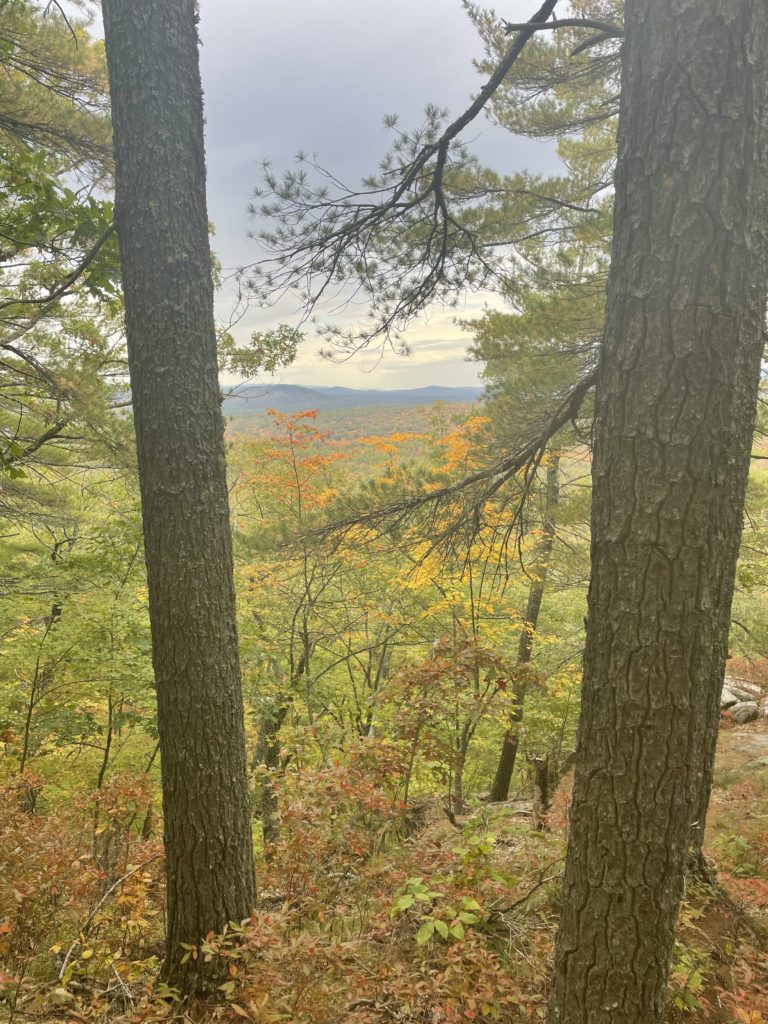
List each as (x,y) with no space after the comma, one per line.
(384,710)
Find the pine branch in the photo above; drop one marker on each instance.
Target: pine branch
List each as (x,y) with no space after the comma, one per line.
(486,482)
(396,239)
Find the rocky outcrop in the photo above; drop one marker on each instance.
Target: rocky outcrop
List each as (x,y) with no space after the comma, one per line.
(728,698)
(745,700)
(743,689)
(745,711)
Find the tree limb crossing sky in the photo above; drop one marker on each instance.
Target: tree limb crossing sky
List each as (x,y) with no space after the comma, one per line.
(282,76)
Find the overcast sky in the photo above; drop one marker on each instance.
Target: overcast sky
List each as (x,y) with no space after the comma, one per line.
(318,75)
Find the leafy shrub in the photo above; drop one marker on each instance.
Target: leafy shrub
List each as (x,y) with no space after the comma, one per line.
(66,925)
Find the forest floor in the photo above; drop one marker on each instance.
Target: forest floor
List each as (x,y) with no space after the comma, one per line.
(359,922)
(723,940)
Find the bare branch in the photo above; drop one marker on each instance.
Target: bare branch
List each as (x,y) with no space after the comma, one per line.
(601,37)
(607,28)
(60,9)
(29,449)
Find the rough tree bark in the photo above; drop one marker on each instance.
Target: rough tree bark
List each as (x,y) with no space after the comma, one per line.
(163,232)
(675,408)
(511,741)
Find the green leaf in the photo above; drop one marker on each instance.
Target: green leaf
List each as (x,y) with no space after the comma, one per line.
(425,933)
(402,903)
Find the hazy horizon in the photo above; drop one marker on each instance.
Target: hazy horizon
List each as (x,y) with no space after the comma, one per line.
(272,384)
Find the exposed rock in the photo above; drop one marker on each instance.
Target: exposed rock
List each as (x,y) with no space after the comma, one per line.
(744,694)
(755,744)
(523,808)
(743,689)
(745,711)
(728,698)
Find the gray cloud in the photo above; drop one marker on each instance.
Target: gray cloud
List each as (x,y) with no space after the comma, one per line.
(282,76)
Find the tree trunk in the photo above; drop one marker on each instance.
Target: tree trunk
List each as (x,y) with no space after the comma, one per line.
(456,801)
(511,742)
(267,760)
(163,232)
(540,787)
(675,407)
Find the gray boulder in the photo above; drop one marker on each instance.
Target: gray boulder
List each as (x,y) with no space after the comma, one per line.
(745,711)
(728,698)
(742,688)
(743,694)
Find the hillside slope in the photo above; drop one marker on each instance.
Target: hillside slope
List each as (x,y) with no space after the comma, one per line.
(294,397)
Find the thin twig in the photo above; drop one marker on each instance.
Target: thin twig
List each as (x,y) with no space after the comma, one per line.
(543,880)
(60,9)
(97,908)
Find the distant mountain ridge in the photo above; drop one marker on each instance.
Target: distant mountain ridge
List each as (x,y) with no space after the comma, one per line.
(297,397)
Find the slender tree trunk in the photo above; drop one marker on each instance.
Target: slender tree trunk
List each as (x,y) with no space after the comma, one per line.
(268,758)
(408,773)
(540,787)
(42,680)
(511,742)
(456,803)
(675,404)
(163,233)
(27,732)
(107,750)
(103,837)
(148,824)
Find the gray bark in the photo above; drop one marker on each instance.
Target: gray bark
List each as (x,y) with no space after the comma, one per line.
(675,407)
(163,233)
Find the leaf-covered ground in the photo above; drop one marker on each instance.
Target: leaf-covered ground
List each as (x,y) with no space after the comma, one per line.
(366,913)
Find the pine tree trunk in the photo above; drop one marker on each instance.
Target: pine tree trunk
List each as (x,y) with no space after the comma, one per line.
(163,232)
(511,741)
(675,409)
